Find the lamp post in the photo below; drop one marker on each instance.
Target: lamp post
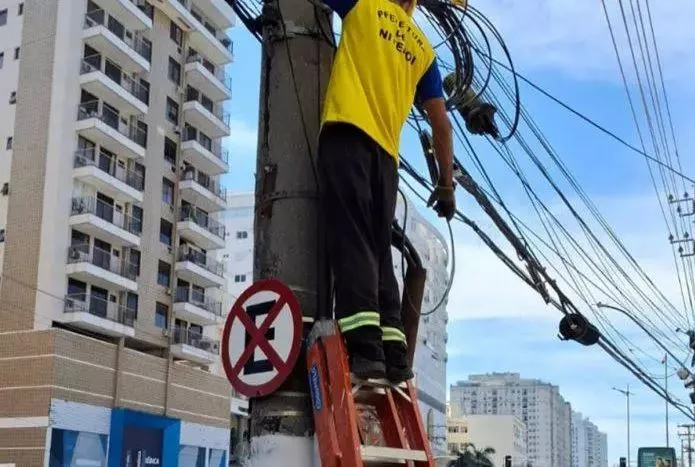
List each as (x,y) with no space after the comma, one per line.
(627,395)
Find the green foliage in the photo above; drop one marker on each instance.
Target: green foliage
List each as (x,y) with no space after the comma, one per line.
(473,457)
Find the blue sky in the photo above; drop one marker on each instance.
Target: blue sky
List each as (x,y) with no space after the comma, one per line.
(497,323)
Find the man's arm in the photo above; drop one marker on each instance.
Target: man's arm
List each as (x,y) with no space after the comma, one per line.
(441,136)
(430,94)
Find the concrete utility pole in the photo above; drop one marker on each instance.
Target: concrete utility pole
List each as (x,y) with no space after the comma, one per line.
(296,62)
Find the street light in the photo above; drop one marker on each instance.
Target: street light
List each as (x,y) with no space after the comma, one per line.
(681,371)
(627,394)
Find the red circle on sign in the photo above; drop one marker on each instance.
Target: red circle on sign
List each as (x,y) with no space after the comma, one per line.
(283,367)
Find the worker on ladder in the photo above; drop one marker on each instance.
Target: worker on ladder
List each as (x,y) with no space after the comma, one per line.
(383,63)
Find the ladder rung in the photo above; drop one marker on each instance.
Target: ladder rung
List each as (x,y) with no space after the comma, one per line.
(385,454)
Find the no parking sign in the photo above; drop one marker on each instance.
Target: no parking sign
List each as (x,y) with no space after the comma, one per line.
(261,338)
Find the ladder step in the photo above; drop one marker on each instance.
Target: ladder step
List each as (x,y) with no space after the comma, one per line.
(393,455)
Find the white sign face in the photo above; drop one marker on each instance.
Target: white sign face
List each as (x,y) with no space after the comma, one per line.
(261,338)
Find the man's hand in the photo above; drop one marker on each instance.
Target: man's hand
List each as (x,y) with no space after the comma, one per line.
(444,201)
(443,196)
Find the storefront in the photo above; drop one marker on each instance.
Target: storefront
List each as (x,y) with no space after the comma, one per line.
(84,435)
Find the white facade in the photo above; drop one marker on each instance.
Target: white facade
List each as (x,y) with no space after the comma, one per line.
(589,445)
(506,434)
(538,404)
(10,40)
(430,354)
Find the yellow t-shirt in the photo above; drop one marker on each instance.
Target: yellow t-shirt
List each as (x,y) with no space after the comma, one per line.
(380,61)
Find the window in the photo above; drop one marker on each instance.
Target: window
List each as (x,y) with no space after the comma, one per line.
(170,149)
(68,446)
(20,9)
(164,274)
(176,34)
(172,111)
(167,191)
(8,145)
(16,53)
(2,59)
(161,315)
(239,278)
(136,218)
(242,234)
(135,260)
(3,17)
(131,303)
(174,71)
(2,235)
(165,229)
(13,97)
(191,456)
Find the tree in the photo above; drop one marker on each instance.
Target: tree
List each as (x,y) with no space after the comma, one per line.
(473,457)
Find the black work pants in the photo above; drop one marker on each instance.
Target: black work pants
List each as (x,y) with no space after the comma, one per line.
(359,183)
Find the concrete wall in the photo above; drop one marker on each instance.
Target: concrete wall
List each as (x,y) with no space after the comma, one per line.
(40,367)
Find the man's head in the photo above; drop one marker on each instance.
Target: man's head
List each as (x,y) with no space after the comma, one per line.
(407,5)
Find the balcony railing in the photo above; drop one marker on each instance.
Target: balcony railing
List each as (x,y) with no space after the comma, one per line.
(109,165)
(191,213)
(107,212)
(194,297)
(96,109)
(84,253)
(207,183)
(221,76)
(100,18)
(98,306)
(116,74)
(192,134)
(196,339)
(195,95)
(202,260)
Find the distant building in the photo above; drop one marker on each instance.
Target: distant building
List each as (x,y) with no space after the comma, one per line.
(538,404)
(589,445)
(430,353)
(506,434)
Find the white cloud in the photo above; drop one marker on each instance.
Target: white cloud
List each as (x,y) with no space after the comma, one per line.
(243,138)
(572,37)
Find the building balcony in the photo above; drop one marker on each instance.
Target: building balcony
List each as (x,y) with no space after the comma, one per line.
(203,115)
(101,124)
(193,346)
(205,35)
(216,85)
(104,173)
(106,80)
(100,267)
(97,218)
(197,226)
(130,13)
(194,266)
(98,315)
(202,191)
(192,306)
(124,47)
(202,153)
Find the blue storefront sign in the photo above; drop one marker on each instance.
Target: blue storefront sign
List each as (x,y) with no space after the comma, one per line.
(143,440)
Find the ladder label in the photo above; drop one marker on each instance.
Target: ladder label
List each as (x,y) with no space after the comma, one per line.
(315,385)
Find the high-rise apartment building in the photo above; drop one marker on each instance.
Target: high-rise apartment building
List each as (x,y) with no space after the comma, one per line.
(111,119)
(430,354)
(589,445)
(538,404)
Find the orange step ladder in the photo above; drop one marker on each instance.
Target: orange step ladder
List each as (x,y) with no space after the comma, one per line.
(361,422)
